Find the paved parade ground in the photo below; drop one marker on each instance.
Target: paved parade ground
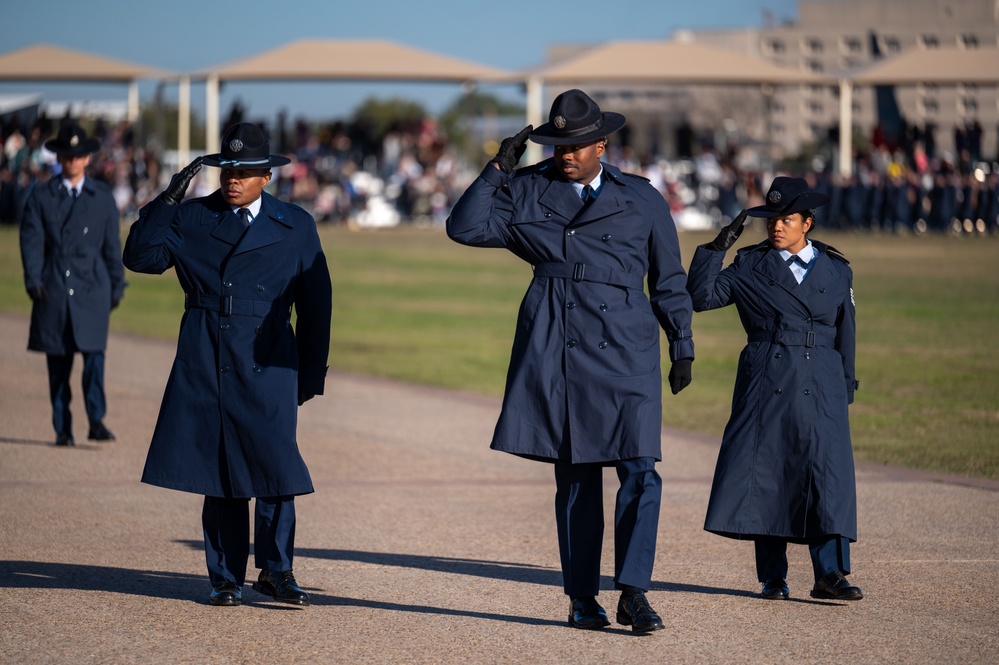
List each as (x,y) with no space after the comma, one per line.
(420,545)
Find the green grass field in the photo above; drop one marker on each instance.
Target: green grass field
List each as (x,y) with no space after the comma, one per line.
(410,304)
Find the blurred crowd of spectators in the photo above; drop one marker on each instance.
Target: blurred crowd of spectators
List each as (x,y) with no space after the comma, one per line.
(412,173)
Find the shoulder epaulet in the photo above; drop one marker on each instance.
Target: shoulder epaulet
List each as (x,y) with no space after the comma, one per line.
(531,168)
(836,254)
(760,246)
(635,175)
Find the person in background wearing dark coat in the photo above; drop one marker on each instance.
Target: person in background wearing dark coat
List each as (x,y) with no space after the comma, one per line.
(785,469)
(227,425)
(584,388)
(71,251)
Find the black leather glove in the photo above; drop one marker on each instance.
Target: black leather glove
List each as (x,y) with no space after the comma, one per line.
(304,397)
(174,193)
(115,302)
(679,374)
(729,234)
(38,293)
(512,149)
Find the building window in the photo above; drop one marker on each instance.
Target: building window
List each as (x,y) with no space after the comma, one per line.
(891,44)
(968,40)
(930,41)
(968,88)
(852,45)
(969,106)
(815,108)
(817,89)
(814,66)
(778,128)
(930,105)
(929,88)
(775,46)
(777,107)
(851,63)
(813,44)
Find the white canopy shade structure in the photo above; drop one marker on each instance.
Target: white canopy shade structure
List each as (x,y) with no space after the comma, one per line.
(341,60)
(947,66)
(43,62)
(657,62)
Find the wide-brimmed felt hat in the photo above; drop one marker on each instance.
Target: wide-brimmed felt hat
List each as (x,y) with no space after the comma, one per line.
(72,141)
(788,196)
(575,118)
(244,145)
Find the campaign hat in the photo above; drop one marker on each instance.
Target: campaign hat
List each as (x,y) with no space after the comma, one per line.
(245,146)
(788,196)
(72,141)
(576,119)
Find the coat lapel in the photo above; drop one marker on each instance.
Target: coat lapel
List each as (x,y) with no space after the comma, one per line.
(265,230)
(773,268)
(560,197)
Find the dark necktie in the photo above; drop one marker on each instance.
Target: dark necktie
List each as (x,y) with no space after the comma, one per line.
(244,216)
(794,257)
(587,194)
(74,193)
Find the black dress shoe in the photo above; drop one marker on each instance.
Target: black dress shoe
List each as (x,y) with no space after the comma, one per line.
(98,432)
(585,612)
(65,439)
(226,594)
(634,610)
(775,589)
(835,586)
(281,586)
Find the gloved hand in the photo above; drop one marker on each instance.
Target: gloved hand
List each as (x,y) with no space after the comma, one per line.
(174,193)
(729,234)
(38,293)
(115,302)
(679,374)
(512,149)
(304,397)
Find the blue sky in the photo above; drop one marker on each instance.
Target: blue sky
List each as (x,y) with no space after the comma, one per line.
(187,35)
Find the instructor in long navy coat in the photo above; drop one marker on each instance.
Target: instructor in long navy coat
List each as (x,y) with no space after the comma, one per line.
(71,251)
(227,425)
(584,388)
(785,469)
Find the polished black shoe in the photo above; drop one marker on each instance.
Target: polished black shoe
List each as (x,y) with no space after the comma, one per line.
(775,589)
(835,586)
(281,586)
(226,595)
(634,610)
(65,439)
(98,432)
(585,612)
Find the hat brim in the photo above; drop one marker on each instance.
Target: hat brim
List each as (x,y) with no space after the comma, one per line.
(217,160)
(805,201)
(85,147)
(547,134)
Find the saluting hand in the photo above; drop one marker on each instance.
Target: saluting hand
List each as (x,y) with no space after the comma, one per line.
(729,234)
(512,149)
(174,193)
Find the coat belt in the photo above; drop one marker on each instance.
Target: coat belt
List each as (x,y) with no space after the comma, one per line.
(582,272)
(227,305)
(807,338)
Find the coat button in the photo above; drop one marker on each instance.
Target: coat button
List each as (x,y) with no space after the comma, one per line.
(86,230)
(548,214)
(227,285)
(260,287)
(570,305)
(605,237)
(778,391)
(256,369)
(770,283)
(603,307)
(808,356)
(71,292)
(571,343)
(571,232)
(808,319)
(258,330)
(224,326)
(822,290)
(224,369)
(602,345)
(777,355)
(807,391)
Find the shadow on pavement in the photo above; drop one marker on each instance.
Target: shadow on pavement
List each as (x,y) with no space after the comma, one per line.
(46,575)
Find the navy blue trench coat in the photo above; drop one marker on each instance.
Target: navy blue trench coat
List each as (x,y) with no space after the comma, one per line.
(584,382)
(785,467)
(73,249)
(227,424)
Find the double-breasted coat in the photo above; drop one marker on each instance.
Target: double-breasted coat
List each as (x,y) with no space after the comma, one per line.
(227,424)
(72,247)
(785,467)
(584,383)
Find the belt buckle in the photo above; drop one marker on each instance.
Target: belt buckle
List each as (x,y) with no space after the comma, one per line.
(578,271)
(226,309)
(810,339)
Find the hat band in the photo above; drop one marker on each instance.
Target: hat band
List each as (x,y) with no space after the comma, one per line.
(243,162)
(582,130)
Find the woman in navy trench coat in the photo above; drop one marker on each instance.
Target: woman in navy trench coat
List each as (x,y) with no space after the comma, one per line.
(785,470)
(584,387)
(227,424)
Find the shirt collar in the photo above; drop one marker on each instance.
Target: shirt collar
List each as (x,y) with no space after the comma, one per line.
(254,208)
(805,255)
(595,183)
(69,186)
